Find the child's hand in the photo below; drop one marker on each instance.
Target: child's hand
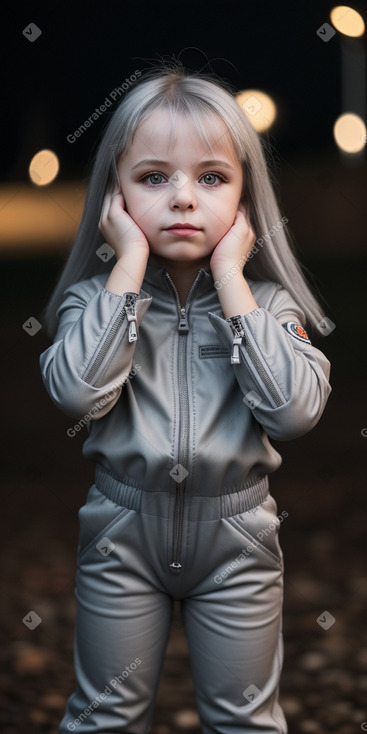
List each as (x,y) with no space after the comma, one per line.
(121,232)
(232,250)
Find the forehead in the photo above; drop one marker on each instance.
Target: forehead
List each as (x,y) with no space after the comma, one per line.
(165,132)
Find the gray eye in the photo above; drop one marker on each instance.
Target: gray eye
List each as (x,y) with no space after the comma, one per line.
(210,178)
(155,178)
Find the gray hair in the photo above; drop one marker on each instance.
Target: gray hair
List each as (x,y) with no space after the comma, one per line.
(170,87)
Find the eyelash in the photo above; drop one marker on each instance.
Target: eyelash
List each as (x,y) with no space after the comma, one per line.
(210,173)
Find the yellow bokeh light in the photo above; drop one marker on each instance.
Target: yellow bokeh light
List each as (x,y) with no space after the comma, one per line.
(258,107)
(44,167)
(347,21)
(350,133)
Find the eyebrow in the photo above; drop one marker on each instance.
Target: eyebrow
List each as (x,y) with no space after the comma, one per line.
(155,162)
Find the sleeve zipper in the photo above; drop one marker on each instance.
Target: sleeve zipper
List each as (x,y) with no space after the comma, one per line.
(131,316)
(127,311)
(239,333)
(240,337)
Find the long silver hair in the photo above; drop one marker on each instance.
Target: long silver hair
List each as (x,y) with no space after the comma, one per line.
(201,98)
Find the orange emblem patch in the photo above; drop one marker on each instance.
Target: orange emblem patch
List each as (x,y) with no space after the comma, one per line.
(297,331)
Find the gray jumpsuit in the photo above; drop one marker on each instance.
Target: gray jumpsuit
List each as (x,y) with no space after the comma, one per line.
(179,404)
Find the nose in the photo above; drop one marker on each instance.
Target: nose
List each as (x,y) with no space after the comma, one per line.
(182,193)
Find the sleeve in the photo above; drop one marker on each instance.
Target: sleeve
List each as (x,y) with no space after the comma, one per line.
(92,354)
(283,377)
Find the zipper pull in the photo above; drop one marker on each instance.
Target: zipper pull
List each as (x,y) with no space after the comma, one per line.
(175,566)
(235,356)
(239,333)
(131,317)
(183,326)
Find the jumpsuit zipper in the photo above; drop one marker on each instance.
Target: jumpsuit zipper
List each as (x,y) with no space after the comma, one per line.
(239,336)
(127,311)
(183,328)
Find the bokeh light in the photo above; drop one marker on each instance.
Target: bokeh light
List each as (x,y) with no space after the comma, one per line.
(259,108)
(347,21)
(44,167)
(350,133)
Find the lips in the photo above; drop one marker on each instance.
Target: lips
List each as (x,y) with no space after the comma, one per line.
(182,230)
(182,225)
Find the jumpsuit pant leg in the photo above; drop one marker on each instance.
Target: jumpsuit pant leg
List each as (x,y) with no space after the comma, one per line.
(123,622)
(230,585)
(234,635)
(233,623)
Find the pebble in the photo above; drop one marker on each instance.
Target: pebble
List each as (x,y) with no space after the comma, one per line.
(310,726)
(342,707)
(291,706)
(358,716)
(335,645)
(358,586)
(361,657)
(186,719)
(323,542)
(30,660)
(346,682)
(313,661)
(37,716)
(53,700)
(305,589)
(312,699)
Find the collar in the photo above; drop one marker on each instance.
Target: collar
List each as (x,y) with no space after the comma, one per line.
(157,276)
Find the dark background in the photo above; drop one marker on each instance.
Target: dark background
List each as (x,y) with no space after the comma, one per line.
(87,50)
(49,88)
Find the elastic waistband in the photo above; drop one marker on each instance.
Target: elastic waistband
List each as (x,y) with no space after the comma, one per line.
(201,508)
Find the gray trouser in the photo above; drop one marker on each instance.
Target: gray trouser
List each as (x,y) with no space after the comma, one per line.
(231,590)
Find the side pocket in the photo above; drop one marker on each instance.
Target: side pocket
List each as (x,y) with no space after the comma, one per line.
(96,517)
(260,529)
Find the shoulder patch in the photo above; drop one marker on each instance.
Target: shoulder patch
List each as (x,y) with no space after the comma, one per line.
(297,331)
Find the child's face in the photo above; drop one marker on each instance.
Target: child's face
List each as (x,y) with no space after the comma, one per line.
(206,193)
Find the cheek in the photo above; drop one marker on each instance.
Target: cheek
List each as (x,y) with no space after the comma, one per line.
(133,205)
(224,218)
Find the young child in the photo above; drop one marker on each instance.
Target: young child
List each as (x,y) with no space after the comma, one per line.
(182,356)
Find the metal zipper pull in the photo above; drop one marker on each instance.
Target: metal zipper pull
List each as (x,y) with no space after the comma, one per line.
(239,333)
(235,355)
(183,326)
(175,566)
(131,317)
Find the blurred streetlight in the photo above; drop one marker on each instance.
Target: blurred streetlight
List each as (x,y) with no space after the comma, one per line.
(347,21)
(350,133)
(44,167)
(259,108)
(350,128)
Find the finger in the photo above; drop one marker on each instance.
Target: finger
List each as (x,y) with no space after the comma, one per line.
(252,236)
(105,206)
(117,202)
